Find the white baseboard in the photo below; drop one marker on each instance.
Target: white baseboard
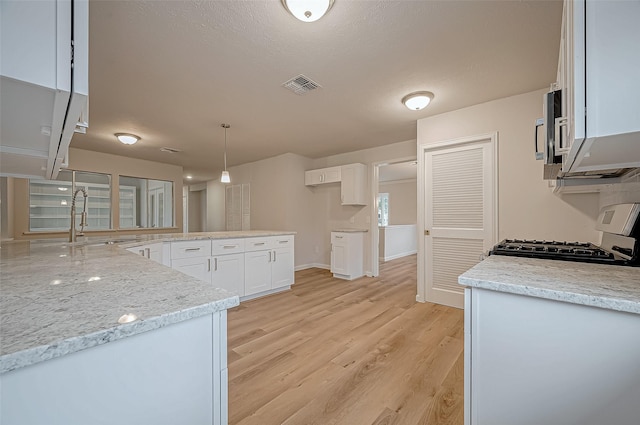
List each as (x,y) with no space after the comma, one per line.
(312,266)
(402,254)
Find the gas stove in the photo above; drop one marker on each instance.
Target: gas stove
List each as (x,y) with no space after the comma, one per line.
(620,226)
(556,250)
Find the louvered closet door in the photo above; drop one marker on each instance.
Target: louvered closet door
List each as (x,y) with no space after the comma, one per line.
(459,216)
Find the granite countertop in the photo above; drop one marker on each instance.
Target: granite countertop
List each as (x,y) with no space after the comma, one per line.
(57,298)
(597,285)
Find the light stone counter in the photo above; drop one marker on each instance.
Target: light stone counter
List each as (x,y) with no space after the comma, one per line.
(605,286)
(57,298)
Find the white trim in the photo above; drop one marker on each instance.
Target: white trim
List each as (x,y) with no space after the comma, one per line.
(421,150)
(396,256)
(397,181)
(312,266)
(373,221)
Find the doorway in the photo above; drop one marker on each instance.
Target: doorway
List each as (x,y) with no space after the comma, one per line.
(393,212)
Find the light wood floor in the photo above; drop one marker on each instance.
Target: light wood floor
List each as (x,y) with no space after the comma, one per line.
(353,353)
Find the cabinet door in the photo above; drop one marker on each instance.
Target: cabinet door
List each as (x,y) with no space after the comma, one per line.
(339,258)
(353,189)
(227,272)
(257,271)
(331,175)
(282,267)
(313,177)
(154,252)
(199,267)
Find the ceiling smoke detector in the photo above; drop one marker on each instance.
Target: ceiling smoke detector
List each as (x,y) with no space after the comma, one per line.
(301,85)
(170,150)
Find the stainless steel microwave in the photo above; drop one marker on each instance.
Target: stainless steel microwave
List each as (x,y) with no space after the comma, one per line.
(552,110)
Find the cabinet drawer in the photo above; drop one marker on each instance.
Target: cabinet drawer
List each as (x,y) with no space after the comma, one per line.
(338,237)
(190,249)
(258,244)
(227,246)
(282,241)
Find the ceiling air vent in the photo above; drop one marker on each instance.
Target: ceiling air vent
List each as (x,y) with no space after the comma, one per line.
(301,84)
(170,150)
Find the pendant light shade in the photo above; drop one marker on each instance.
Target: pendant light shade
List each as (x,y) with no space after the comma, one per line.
(225,178)
(417,100)
(308,10)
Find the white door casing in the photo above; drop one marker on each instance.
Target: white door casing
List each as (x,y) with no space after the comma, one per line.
(457,213)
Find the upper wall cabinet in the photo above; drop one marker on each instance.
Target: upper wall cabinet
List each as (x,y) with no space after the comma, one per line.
(322,176)
(598,75)
(352,179)
(44,83)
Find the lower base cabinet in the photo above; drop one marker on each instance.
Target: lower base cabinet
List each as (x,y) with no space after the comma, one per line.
(346,255)
(245,267)
(532,361)
(176,374)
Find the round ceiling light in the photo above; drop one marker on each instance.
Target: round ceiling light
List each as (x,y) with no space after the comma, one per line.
(308,10)
(417,100)
(127,139)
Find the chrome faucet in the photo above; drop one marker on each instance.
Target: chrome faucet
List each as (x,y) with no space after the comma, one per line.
(83,219)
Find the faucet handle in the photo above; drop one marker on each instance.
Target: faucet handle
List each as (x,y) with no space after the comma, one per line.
(83,219)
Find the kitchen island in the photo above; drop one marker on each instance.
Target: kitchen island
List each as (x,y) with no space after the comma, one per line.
(552,342)
(91,333)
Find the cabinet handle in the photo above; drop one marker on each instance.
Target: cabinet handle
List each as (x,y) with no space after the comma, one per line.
(141,252)
(258,243)
(338,237)
(192,249)
(148,252)
(539,123)
(208,264)
(229,246)
(274,256)
(215,264)
(285,241)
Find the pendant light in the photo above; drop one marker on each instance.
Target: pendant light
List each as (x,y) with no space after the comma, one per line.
(225,178)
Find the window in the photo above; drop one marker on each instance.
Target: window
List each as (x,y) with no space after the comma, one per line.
(50,201)
(383,209)
(145,203)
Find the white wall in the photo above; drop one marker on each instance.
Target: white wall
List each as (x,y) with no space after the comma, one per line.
(527,207)
(279,201)
(402,201)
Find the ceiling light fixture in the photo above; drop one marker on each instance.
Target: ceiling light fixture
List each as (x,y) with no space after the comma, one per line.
(225,178)
(417,100)
(127,139)
(307,10)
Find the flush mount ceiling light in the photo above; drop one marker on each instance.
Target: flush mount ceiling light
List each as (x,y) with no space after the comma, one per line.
(225,178)
(307,10)
(417,100)
(127,139)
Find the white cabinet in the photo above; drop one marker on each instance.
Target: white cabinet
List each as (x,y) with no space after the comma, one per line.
(44,83)
(227,270)
(353,187)
(346,255)
(243,266)
(532,361)
(598,75)
(192,258)
(322,176)
(152,251)
(268,264)
(352,179)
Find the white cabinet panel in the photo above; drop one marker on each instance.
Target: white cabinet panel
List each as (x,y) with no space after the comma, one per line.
(579,362)
(353,188)
(154,251)
(257,275)
(346,255)
(227,246)
(227,272)
(198,267)
(282,273)
(322,176)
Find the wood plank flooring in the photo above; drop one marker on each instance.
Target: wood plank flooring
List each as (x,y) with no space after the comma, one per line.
(351,353)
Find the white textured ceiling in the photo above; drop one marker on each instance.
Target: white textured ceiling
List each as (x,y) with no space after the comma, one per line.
(400,171)
(173,71)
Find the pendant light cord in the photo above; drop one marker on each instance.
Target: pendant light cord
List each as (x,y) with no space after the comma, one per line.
(225,126)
